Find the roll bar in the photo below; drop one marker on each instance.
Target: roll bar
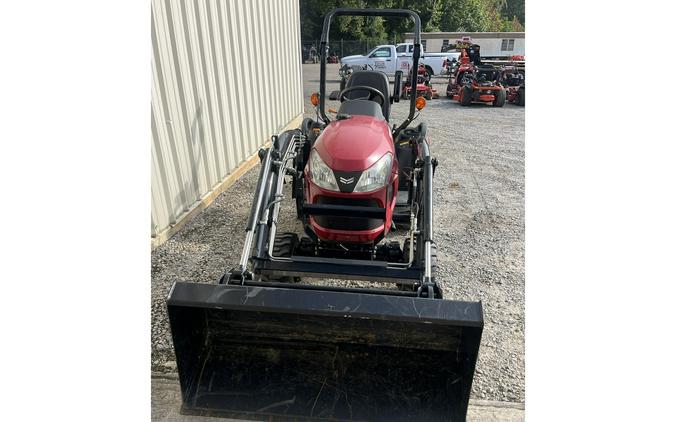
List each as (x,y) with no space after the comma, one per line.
(323,53)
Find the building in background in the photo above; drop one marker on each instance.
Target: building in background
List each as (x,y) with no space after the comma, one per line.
(226,76)
(492,44)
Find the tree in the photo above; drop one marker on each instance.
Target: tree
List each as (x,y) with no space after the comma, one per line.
(347,27)
(512,25)
(436,15)
(515,8)
(465,16)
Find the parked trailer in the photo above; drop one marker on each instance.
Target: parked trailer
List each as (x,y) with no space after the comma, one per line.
(494,45)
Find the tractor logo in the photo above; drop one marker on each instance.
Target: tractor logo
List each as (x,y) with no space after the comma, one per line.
(347,181)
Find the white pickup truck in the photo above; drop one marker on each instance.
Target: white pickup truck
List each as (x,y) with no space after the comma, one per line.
(390,58)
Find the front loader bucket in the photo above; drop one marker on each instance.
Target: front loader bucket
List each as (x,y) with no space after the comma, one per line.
(277,354)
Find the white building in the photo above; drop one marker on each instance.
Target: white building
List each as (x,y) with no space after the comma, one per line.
(226,76)
(492,44)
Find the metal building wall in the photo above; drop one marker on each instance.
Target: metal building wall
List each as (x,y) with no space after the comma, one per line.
(226,75)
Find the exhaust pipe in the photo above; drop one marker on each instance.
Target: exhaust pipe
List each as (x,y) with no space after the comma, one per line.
(279,354)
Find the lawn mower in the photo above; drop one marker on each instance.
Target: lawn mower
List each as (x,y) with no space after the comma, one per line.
(516,95)
(474,82)
(513,79)
(266,344)
(424,87)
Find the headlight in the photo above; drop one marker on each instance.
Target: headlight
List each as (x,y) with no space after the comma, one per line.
(376,176)
(322,175)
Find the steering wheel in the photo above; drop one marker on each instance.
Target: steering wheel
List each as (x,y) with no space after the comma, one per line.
(372,93)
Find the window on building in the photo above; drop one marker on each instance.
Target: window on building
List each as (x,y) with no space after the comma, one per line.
(446,43)
(507,45)
(424,45)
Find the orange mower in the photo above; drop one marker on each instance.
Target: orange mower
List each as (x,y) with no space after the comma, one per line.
(424,87)
(513,80)
(473,82)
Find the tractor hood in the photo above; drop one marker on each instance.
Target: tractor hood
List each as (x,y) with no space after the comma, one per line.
(355,143)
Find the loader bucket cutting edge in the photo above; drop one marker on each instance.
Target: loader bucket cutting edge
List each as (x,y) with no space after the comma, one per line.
(289,354)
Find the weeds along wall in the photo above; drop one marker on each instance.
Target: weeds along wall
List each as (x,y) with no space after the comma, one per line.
(226,76)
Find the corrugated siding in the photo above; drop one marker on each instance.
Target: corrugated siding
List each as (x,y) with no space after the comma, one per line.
(226,75)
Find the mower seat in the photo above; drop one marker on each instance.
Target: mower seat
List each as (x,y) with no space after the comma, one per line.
(372,78)
(488,72)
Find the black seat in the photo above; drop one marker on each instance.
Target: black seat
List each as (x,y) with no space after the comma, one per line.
(488,73)
(361,108)
(374,79)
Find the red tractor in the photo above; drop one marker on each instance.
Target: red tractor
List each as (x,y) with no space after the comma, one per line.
(424,87)
(473,82)
(267,343)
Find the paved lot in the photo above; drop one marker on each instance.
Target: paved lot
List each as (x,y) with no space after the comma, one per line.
(479,223)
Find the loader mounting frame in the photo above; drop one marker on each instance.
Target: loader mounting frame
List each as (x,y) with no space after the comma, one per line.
(261,229)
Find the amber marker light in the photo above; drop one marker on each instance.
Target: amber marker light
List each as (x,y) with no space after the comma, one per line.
(420,103)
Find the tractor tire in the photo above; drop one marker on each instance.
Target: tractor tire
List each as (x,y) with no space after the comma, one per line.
(343,83)
(434,260)
(284,246)
(521,96)
(297,184)
(434,264)
(434,256)
(465,96)
(428,95)
(298,193)
(500,98)
(406,254)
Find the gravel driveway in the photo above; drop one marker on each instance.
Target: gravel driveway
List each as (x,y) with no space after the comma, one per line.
(479,191)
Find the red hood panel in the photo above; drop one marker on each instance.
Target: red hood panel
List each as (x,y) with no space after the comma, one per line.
(354,144)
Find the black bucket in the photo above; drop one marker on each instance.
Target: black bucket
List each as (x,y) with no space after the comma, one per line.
(282,354)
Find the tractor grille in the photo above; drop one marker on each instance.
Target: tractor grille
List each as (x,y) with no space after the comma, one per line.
(347,223)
